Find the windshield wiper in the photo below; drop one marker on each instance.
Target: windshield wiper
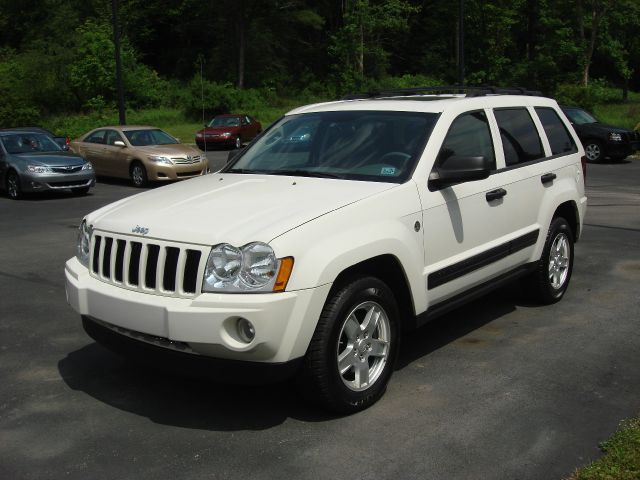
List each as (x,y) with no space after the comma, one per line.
(306,173)
(293,173)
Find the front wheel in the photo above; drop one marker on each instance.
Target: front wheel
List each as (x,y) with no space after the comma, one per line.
(551,279)
(13,185)
(138,175)
(593,151)
(351,355)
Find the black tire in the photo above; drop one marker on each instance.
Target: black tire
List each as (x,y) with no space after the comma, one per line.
(12,185)
(138,175)
(80,192)
(593,150)
(320,380)
(551,279)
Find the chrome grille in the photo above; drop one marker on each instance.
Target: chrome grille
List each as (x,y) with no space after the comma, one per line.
(152,266)
(72,169)
(186,161)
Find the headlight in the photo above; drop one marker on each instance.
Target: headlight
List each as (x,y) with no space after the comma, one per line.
(161,160)
(87,166)
(226,134)
(84,243)
(615,137)
(199,135)
(252,268)
(39,169)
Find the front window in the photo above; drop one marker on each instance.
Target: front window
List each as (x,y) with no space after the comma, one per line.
(354,145)
(580,117)
(225,122)
(29,143)
(142,138)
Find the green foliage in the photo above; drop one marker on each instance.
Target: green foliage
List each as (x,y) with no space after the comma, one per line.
(587,97)
(621,460)
(16,108)
(218,98)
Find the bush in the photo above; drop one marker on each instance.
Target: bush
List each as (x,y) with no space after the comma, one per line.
(587,97)
(218,98)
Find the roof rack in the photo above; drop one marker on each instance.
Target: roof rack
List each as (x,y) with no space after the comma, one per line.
(470,91)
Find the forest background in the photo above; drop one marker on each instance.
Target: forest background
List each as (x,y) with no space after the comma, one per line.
(263,57)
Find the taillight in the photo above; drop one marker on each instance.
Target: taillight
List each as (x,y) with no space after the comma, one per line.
(67,140)
(583,160)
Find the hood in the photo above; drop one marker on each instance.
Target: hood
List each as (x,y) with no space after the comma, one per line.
(232,208)
(171,150)
(604,126)
(219,130)
(51,158)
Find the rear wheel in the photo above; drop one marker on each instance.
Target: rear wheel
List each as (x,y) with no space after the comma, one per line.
(13,185)
(138,175)
(350,358)
(551,279)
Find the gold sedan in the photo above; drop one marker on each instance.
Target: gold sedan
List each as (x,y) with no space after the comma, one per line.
(140,153)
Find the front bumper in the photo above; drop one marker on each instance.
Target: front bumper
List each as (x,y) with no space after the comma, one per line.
(621,149)
(156,172)
(30,182)
(203,325)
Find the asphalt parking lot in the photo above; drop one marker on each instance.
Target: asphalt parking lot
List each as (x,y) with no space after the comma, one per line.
(500,389)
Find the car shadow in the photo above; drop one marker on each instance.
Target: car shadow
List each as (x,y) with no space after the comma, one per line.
(460,322)
(171,399)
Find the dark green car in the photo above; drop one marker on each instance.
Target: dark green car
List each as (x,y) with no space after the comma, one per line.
(33,162)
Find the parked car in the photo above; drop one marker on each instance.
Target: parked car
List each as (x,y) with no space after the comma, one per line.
(601,140)
(230,130)
(140,153)
(308,258)
(63,142)
(32,162)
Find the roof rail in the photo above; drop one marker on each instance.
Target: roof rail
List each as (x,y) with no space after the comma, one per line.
(470,91)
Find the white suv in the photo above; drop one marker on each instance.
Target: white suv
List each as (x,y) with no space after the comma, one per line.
(342,225)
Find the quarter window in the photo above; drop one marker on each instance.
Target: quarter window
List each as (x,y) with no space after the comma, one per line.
(559,138)
(469,136)
(520,139)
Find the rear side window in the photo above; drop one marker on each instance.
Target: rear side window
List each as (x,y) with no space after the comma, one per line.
(520,139)
(557,133)
(469,136)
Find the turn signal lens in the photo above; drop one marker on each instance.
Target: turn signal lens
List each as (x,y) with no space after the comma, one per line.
(286,267)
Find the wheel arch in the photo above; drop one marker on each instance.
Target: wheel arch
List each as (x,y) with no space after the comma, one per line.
(388,269)
(569,211)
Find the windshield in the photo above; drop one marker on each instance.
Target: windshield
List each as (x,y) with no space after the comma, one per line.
(354,145)
(225,122)
(29,143)
(141,138)
(580,117)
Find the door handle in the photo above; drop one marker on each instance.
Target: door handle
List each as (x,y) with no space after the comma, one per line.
(548,177)
(495,194)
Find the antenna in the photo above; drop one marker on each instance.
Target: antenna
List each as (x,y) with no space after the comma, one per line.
(204,132)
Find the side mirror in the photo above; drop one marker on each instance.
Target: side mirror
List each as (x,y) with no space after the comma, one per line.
(119,143)
(456,169)
(234,153)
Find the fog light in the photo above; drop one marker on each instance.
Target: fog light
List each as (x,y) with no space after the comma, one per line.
(246,332)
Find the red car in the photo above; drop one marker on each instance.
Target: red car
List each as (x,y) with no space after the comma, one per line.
(228,130)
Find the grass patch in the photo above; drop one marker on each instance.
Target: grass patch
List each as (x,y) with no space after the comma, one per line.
(626,115)
(621,459)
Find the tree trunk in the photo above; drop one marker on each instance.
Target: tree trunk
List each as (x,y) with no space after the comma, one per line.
(241,43)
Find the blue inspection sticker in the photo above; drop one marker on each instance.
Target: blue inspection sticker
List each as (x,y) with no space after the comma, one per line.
(388,171)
